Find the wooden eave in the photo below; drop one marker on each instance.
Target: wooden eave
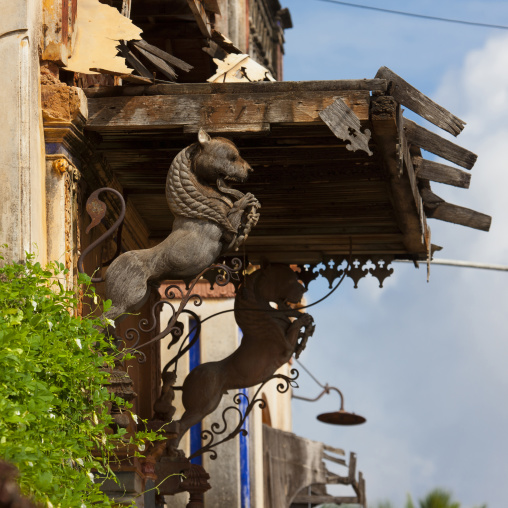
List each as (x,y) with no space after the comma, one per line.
(317,196)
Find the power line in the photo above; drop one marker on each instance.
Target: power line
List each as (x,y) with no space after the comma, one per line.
(413,15)
(465,264)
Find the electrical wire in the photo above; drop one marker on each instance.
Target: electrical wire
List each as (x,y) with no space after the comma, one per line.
(413,15)
(310,373)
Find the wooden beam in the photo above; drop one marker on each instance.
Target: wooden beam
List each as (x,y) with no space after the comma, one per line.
(441,173)
(437,208)
(413,99)
(386,137)
(315,500)
(216,112)
(437,145)
(338,87)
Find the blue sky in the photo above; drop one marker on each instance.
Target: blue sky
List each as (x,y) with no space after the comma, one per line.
(426,364)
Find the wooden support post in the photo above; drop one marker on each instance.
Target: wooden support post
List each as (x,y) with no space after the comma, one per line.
(386,136)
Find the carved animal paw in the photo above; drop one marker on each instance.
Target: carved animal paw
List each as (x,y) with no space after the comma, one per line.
(305,320)
(248,200)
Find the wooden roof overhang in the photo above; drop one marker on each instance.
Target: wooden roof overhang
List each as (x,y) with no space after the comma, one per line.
(317,195)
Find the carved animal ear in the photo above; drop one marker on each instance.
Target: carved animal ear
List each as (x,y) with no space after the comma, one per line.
(203,137)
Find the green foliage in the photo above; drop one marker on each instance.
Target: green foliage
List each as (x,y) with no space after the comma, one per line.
(53,396)
(437,498)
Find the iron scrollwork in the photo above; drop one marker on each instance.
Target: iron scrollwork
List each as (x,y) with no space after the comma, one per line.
(218,429)
(224,275)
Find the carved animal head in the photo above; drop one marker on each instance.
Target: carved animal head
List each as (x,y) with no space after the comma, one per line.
(218,158)
(277,283)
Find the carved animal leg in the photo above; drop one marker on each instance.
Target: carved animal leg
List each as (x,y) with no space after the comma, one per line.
(304,337)
(236,213)
(293,333)
(201,394)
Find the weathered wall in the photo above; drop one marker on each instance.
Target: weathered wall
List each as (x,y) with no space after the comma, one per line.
(22,168)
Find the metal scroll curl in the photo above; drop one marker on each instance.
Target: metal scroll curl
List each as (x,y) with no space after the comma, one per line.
(224,275)
(220,428)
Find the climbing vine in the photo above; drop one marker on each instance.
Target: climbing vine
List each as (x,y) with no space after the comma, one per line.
(54,420)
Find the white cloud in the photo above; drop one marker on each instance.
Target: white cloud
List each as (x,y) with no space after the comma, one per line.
(425,363)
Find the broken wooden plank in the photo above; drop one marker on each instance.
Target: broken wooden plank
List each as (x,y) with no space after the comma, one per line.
(226,44)
(326,456)
(239,68)
(335,479)
(346,126)
(158,63)
(201,17)
(134,61)
(338,451)
(437,208)
(441,173)
(431,142)
(170,59)
(416,101)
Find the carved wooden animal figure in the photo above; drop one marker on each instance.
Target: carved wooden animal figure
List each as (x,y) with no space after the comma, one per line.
(269,340)
(208,222)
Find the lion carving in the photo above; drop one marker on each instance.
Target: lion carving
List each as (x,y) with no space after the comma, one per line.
(210,219)
(270,338)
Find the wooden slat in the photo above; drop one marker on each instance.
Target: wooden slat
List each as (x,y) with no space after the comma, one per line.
(326,456)
(441,173)
(438,208)
(201,16)
(315,500)
(214,112)
(158,63)
(338,451)
(170,59)
(264,87)
(134,61)
(409,96)
(437,145)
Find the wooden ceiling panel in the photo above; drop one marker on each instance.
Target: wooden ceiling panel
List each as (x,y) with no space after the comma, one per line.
(317,194)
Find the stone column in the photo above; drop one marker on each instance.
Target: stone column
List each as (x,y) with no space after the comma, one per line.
(22,192)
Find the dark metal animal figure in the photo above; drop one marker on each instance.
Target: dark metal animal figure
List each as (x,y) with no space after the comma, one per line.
(269,340)
(208,222)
